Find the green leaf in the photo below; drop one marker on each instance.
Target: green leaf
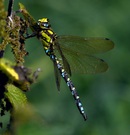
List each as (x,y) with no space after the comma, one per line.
(16,97)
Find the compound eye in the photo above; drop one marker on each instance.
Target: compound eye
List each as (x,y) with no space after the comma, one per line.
(45,24)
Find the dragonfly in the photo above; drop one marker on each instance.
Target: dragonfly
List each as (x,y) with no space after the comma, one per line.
(69,53)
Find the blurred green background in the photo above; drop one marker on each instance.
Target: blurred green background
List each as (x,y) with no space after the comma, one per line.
(105,97)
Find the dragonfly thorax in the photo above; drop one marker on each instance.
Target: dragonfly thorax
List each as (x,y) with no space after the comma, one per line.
(46,35)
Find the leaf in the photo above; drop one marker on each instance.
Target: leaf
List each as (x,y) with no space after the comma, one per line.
(16,97)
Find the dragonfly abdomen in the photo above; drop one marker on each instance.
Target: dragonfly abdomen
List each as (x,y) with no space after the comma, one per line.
(70,84)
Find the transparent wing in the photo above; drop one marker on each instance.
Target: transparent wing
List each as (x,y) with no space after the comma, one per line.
(80,63)
(57,76)
(64,60)
(85,45)
(86,64)
(79,51)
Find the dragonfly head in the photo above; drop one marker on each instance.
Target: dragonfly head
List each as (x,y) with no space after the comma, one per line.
(44,23)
